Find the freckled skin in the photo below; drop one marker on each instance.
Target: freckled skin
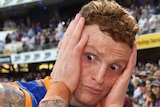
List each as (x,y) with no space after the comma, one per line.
(98,73)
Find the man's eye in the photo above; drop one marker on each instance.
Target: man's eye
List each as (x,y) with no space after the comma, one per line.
(114,67)
(90,57)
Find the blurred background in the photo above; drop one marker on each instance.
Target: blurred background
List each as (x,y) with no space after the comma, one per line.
(31,29)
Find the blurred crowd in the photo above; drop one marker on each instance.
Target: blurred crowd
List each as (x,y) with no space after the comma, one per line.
(144,87)
(35,36)
(23,76)
(147,17)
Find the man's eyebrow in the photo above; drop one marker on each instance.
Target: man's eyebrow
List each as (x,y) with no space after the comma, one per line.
(90,46)
(121,61)
(99,51)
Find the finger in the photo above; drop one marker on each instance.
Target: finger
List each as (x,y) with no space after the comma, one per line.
(77,33)
(131,64)
(59,44)
(69,31)
(73,23)
(117,93)
(80,46)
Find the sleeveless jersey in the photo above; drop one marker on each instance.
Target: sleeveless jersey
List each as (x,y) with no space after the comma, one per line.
(35,90)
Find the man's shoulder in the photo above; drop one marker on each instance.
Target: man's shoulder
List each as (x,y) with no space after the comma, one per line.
(11,94)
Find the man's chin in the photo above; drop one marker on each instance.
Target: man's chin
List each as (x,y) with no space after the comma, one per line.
(85,100)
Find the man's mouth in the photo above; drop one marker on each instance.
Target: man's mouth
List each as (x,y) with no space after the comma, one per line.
(93,90)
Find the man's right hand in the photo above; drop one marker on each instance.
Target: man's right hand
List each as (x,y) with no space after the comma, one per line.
(67,67)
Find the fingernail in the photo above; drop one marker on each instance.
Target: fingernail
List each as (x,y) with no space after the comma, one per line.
(77,15)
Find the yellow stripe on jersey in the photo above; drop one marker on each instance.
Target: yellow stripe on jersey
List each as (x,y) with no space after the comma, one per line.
(28,102)
(47,82)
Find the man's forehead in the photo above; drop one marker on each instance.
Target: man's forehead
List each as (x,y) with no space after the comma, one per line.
(103,40)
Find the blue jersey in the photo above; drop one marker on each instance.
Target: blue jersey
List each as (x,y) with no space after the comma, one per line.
(34,91)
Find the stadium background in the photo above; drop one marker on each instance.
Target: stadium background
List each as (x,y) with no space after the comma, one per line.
(32,11)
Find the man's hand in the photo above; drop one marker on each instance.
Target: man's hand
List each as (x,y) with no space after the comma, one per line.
(116,96)
(67,66)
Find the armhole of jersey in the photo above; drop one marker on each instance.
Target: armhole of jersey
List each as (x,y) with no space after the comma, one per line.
(28,99)
(39,82)
(46,82)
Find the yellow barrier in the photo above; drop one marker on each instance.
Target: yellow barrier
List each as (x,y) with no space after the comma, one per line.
(151,40)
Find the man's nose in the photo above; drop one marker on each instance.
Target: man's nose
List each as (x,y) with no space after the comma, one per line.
(99,75)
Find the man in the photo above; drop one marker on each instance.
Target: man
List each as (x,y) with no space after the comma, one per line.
(95,61)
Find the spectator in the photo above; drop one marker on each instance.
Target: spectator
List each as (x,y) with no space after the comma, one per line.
(135,81)
(148,93)
(59,34)
(53,23)
(144,10)
(142,98)
(25,47)
(154,100)
(54,40)
(31,31)
(37,28)
(156,75)
(143,75)
(152,23)
(1,47)
(45,41)
(8,39)
(31,42)
(14,36)
(143,22)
